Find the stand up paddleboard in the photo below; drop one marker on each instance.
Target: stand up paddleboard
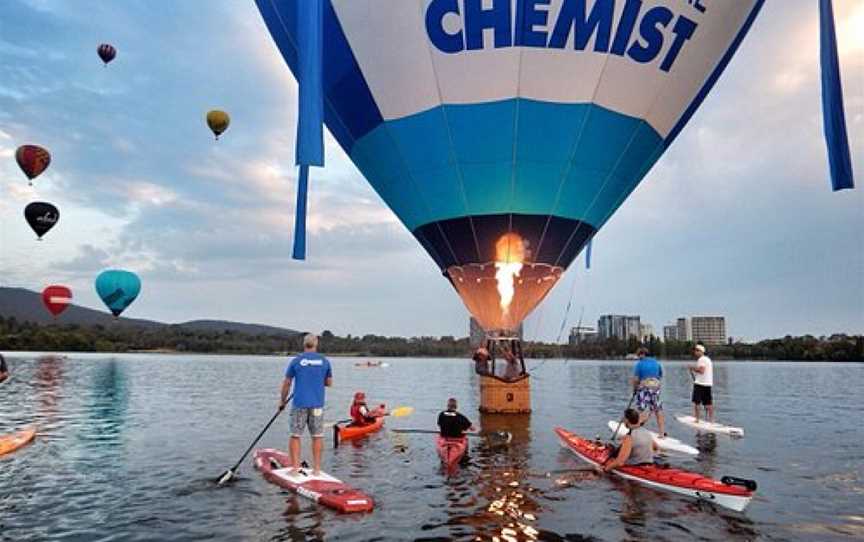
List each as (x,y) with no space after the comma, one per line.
(711,427)
(667,443)
(10,443)
(323,488)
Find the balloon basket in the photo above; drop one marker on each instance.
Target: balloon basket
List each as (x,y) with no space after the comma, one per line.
(502,397)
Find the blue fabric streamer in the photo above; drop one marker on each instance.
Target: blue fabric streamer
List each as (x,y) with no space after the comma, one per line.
(832,102)
(588,254)
(310,123)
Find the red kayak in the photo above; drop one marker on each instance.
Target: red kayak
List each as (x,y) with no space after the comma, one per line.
(732,496)
(323,488)
(451,450)
(351,431)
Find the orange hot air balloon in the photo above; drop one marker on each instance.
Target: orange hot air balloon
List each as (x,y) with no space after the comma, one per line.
(33,160)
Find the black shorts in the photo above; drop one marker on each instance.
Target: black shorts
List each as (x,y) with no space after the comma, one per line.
(702,395)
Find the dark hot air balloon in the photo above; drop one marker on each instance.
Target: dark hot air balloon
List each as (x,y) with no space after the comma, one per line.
(33,160)
(41,216)
(56,298)
(106,52)
(218,121)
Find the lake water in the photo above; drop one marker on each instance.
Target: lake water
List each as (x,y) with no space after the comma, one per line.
(128,447)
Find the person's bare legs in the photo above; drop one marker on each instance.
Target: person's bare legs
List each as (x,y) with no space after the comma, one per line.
(709,409)
(696,411)
(661,422)
(294,452)
(317,445)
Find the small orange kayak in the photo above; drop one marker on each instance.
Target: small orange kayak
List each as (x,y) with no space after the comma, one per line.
(451,450)
(351,432)
(10,443)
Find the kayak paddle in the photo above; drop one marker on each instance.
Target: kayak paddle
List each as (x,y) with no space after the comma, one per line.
(621,421)
(503,435)
(230,473)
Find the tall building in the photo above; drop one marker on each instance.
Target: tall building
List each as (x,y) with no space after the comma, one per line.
(670,333)
(618,327)
(646,331)
(582,334)
(476,334)
(709,330)
(684,330)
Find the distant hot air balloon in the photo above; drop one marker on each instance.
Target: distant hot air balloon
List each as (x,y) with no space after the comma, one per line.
(56,298)
(218,121)
(41,216)
(33,160)
(117,289)
(504,134)
(106,52)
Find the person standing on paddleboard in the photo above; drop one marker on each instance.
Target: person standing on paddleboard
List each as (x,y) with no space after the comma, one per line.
(703,382)
(310,372)
(451,423)
(647,379)
(637,448)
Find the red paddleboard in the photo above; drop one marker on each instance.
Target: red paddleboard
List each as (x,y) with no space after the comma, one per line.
(323,488)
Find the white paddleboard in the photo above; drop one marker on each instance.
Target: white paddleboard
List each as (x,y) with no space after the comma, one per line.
(302,476)
(712,427)
(667,443)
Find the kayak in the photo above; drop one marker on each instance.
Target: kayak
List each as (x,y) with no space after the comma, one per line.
(352,432)
(666,443)
(669,479)
(451,450)
(711,427)
(10,443)
(323,488)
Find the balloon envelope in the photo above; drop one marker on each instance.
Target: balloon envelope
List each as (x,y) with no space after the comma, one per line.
(56,298)
(117,289)
(32,159)
(218,122)
(41,216)
(504,134)
(106,52)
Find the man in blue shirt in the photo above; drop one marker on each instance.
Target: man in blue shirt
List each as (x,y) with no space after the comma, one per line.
(310,372)
(646,380)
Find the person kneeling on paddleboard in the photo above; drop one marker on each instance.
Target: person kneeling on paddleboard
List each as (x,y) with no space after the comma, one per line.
(451,423)
(637,448)
(647,379)
(361,414)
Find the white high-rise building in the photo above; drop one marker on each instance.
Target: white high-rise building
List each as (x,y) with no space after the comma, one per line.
(619,327)
(709,330)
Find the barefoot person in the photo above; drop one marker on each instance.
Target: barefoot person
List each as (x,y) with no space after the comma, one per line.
(703,382)
(637,448)
(647,379)
(310,372)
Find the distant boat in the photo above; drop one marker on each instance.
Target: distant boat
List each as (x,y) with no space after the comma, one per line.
(371,364)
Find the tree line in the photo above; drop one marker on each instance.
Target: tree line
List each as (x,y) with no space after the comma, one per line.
(16,335)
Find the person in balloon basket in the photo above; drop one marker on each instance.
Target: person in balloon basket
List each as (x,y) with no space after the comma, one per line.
(451,423)
(361,414)
(4,370)
(311,373)
(647,381)
(637,448)
(703,382)
(481,361)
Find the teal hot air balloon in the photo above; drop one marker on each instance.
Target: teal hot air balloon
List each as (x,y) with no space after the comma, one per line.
(117,289)
(505,133)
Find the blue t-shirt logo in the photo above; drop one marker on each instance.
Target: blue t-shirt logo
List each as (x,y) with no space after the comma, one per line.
(309,371)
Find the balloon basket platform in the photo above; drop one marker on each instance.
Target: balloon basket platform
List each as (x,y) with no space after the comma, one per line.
(502,397)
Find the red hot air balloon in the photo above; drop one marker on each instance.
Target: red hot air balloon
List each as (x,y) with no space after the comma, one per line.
(56,298)
(106,52)
(33,160)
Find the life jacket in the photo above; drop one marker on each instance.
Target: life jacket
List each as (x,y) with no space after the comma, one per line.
(356,417)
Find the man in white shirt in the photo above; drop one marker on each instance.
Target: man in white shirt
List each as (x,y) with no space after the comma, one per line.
(703,380)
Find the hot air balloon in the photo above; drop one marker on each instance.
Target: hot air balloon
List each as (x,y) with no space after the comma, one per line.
(41,216)
(504,134)
(218,121)
(117,289)
(106,52)
(33,160)
(56,298)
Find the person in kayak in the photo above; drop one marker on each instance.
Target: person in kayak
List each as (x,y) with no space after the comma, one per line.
(451,423)
(703,381)
(310,372)
(4,370)
(647,379)
(361,414)
(637,448)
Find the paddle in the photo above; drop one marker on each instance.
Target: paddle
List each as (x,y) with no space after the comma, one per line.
(230,473)
(621,421)
(503,435)
(397,412)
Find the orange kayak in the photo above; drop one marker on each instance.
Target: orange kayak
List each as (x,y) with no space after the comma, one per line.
(451,450)
(10,443)
(352,432)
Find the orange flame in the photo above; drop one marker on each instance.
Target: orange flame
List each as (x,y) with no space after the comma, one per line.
(509,256)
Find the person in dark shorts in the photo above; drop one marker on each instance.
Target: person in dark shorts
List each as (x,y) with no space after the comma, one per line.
(647,380)
(703,382)
(451,423)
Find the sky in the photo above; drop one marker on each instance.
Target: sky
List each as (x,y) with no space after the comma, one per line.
(736,219)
